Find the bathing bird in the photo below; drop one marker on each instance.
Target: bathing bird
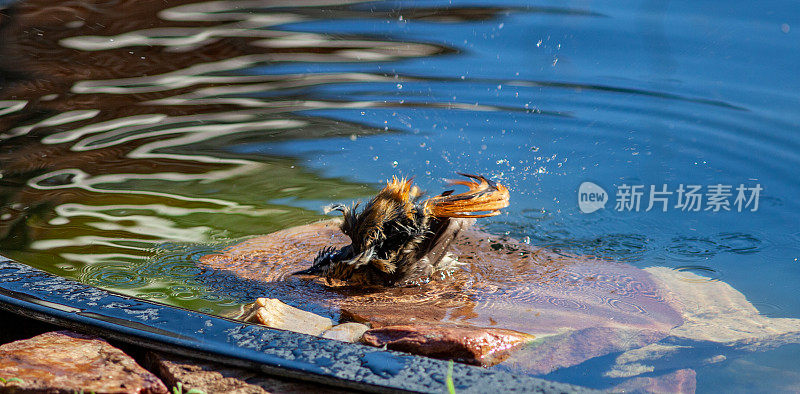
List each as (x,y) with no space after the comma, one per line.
(399,239)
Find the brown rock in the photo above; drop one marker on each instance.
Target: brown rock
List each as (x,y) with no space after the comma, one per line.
(681,381)
(502,282)
(346,332)
(216,378)
(66,362)
(473,345)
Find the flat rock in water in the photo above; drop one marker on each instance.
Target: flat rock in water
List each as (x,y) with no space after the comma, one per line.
(579,307)
(275,314)
(473,345)
(65,362)
(502,283)
(716,312)
(573,347)
(216,378)
(346,332)
(712,312)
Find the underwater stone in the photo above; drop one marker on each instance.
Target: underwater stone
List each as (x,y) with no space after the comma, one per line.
(346,332)
(680,381)
(716,312)
(578,307)
(473,345)
(64,361)
(275,314)
(574,347)
(630,363)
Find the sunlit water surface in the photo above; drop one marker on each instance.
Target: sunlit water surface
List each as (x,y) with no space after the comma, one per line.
(124,126)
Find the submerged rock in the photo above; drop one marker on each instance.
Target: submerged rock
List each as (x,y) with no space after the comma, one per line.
(573,347)
(472,345)
(630,363)
(346,332)
(503,283)
(578,307)
(716,312)
(713,312)
(275,314)
(66,362)
(678,382)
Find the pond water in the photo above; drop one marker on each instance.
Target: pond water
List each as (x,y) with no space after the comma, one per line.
(129,131)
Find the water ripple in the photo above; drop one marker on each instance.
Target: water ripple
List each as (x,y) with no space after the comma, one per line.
(112,275)
(700,274)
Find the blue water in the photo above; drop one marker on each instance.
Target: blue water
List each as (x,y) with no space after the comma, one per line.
(541,96)
(637,93)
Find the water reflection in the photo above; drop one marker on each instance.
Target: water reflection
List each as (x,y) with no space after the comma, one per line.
(115,129)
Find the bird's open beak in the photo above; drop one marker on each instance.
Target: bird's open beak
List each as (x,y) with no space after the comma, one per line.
(307,271)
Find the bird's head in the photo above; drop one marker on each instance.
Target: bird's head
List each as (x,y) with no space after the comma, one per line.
(330,263)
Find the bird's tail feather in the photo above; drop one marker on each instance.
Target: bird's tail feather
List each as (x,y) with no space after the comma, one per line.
(484,198)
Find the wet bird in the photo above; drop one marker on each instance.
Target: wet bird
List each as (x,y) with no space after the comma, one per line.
(398,239)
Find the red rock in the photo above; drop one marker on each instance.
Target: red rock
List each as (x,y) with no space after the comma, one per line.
(473,345)
(502,283)
(574,347)
(66,362)
(216,378)
(681,381)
